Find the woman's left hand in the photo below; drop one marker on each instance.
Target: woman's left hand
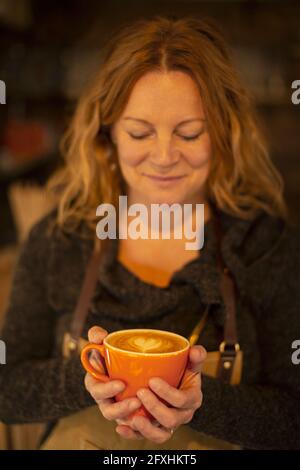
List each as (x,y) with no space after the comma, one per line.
(183,404)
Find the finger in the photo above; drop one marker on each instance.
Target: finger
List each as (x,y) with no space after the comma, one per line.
(95,361)
(146,429)
(119,410)
(128,433)
(96,334)
(89,381)
(178,398)
(170,418)
(100,391)
(191,381)
(107,401)
(197,355)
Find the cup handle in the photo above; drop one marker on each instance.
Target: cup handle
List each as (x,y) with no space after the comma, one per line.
(88,366)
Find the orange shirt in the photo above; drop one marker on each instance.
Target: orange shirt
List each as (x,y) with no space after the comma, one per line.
(146,273)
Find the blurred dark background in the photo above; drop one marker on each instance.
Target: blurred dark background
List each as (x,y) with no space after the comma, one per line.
(49,48)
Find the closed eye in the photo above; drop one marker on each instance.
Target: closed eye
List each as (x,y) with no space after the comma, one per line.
(184,137)
(191,137)
(139,137)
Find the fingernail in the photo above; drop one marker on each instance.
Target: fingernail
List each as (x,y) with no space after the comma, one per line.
(134,404)
(203,353)
(141,393)
(118,387)
(153,382)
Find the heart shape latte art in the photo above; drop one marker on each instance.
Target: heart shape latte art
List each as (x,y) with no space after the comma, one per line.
(149,344)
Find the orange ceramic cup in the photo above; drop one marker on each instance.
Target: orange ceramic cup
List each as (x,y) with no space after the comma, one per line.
(135,369)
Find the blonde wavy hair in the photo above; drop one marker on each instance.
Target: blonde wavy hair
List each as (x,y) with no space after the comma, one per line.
(242,178)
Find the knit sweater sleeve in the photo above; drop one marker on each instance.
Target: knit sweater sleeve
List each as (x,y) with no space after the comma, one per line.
(35,386)
(265,415)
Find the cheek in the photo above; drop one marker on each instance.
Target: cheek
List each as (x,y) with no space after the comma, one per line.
(130,154)
(200,156)
(130,157)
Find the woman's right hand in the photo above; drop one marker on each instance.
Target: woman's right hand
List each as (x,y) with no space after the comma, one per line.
(104,393)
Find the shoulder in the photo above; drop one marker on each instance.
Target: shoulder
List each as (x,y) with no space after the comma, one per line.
(47,232)
(37,240)
(269,238)
(260,237)
(51,248)
(59,257)
(42,229)
(262,252)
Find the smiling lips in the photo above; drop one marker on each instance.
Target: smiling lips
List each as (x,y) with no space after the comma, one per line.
(160,178)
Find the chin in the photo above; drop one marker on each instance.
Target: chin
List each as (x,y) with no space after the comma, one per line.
(166,199)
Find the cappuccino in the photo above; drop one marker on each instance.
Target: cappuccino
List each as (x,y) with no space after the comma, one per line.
(147,341)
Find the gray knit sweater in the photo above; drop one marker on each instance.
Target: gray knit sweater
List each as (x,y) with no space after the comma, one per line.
(38,385)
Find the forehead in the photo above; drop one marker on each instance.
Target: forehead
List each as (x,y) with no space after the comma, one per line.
(164,95)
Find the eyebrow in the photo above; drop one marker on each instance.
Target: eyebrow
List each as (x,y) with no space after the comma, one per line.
(143,121)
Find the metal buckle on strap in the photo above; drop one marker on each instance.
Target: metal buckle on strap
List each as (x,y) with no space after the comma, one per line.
(226,347)
(228,354)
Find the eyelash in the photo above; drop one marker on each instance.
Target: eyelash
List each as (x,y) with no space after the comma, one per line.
(141,137)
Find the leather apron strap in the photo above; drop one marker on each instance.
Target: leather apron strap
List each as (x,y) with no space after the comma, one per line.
(71,339)
(230,346)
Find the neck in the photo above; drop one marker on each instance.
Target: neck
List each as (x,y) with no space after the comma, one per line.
(191,214)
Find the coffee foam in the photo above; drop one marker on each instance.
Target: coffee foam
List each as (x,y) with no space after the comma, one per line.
(147,342)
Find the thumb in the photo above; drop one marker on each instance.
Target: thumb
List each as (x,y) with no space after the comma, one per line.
(196,357)
(97,334)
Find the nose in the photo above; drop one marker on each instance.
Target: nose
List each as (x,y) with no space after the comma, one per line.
(164,154)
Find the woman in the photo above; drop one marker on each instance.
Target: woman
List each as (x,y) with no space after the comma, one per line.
(165,120)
